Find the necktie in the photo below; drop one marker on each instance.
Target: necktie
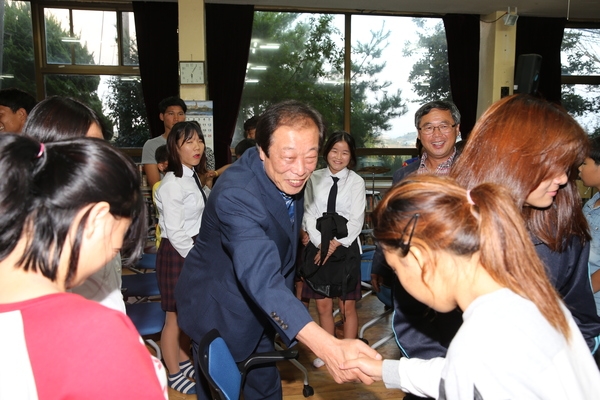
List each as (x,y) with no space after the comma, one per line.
(289,203)
(200,187)
(332,195)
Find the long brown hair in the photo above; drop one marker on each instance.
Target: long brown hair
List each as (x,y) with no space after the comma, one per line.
(519,142)
(492,226)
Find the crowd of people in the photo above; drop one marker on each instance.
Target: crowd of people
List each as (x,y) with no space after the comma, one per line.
(487,247)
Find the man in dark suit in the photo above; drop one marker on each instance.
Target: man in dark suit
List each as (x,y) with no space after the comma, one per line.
(238,278)
(420,331)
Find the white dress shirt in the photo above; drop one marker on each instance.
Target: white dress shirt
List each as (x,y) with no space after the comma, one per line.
(350,203)
(180,206)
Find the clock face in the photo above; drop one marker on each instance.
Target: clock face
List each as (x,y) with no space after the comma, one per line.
(191,72)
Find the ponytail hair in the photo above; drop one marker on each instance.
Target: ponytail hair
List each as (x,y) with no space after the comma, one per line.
(484,220)
(48,184)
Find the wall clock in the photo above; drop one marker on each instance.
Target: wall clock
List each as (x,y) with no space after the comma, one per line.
(191,73)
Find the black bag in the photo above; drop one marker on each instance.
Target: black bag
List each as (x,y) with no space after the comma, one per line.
(338,276)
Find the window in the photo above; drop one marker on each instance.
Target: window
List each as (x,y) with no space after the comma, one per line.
(396,64)
(18,66)
(89,52)
(580,59)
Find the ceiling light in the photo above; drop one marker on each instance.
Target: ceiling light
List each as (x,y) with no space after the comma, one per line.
(510,19)
(270,46)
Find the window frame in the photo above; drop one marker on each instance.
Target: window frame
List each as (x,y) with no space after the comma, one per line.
(43,68)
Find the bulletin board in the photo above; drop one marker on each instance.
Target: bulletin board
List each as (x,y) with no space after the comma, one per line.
(202,112)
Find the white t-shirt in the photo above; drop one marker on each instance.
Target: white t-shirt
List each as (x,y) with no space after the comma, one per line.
(505,349)
(104,286)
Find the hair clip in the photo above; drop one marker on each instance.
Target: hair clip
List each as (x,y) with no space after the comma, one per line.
(405,246)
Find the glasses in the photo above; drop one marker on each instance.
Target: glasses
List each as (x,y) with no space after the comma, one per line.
(405,246)
(443,128)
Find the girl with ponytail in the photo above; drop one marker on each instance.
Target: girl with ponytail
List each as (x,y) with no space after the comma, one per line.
(452,247)
(66,209)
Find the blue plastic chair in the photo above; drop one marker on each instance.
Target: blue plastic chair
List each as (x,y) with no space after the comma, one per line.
(226,377)
(140,286)
(149,319)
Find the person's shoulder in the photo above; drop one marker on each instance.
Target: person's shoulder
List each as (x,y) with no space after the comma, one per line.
(155,141)
(405,171)
(320,172)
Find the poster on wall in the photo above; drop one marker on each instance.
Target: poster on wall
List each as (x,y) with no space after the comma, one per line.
(202,112)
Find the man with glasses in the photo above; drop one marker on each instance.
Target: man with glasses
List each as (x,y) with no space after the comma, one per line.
(438,125)
(420,331)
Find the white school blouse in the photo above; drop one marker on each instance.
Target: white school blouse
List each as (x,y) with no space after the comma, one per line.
(180,206)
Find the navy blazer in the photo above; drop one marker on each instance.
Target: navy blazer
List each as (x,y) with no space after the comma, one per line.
(239,276)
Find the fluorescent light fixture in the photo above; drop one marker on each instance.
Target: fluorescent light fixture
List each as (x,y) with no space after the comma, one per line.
(70,40)
(251,80)
(270,46)
(7,76)
(259,68)
(511,19)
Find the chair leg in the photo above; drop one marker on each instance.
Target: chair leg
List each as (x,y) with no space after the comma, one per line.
(372,322)
(308,390)
(156,348)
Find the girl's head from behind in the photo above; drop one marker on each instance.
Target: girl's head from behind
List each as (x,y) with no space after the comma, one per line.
(534,148)
(433,231)
(340,151)
(75,202)
(185,146)
(57,118)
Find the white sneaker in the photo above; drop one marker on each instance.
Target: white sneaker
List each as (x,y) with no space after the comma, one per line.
(318,363)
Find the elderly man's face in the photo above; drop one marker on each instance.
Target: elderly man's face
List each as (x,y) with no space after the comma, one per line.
(293,156)
(438,144)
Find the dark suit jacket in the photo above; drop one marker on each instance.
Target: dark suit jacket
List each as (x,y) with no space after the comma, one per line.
(239,276)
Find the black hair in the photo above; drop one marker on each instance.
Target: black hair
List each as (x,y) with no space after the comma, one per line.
(58,118)
(437,105)
(250,124)
(161,154)
(45,187)
(341,136)
(16,99)
(244,145)
(595,150)
(184,130)
(288,112)
(171,101)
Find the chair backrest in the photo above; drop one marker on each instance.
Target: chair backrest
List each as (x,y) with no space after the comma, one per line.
(366,263)
(385,295)
(219,367)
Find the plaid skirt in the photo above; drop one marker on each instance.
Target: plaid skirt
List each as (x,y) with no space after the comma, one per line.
(169,264)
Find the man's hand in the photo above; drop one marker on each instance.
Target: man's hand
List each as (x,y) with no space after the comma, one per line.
(335,353)
(376,282)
